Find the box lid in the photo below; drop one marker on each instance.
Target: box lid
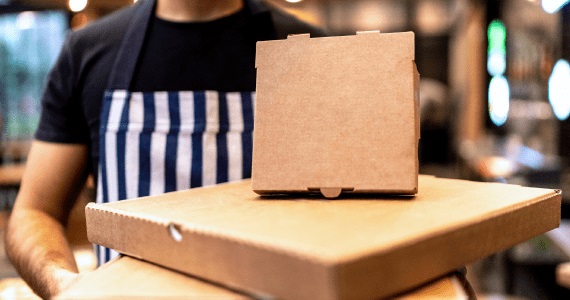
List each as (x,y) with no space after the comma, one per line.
(339,113)
(325,249)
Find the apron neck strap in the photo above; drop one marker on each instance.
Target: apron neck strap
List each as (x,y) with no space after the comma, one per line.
(254,7)
(124,66)
(123,69)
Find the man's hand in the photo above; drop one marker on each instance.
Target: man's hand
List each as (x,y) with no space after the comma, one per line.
(35,237)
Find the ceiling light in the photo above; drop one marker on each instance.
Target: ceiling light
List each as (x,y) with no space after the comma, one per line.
(552,6)
(77,5)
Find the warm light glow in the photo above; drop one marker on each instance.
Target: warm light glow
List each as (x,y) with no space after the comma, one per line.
(552,6)
(293,1)
(432,17)
(499,97)
(497,166)
(77,5)
(79,20)
(558,89)
(85,259)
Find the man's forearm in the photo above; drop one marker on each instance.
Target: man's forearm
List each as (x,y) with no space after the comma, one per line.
(36,245)
(35,239)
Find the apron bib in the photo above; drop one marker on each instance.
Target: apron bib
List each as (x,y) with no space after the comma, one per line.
(156,142)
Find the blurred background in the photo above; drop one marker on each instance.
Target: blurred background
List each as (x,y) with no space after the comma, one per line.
(494,93)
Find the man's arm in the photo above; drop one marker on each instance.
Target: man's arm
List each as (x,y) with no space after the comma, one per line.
(35,237)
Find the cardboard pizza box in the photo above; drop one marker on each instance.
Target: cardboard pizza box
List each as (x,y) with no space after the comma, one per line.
(129,278)
(449,287)
(355,247)
(337,114)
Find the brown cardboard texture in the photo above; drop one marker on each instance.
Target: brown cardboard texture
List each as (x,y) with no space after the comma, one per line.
(453,286)
(337,114)
(129,278)
(309,248)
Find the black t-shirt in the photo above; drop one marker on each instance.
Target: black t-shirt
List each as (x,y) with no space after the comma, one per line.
(217,55)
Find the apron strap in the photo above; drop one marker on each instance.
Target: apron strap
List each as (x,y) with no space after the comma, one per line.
(260,21)
(124,66)
(254,7)
(123,69)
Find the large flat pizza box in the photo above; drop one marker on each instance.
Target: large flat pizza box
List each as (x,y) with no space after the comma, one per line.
(336,114)
(361,247)
(129,278)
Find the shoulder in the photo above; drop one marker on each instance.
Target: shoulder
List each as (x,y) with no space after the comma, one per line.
(105,31)
(286,23)
(92,49)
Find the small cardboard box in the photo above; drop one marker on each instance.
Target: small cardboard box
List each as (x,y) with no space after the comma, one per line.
(309,248)
(337,114)
(129,278)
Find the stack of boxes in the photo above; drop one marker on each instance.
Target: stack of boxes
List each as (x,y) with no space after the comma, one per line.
(335,117)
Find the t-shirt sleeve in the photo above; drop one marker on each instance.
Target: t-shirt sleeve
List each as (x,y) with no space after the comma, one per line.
(62,118)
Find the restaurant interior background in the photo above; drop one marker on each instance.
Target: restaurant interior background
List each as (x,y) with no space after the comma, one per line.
(495,98)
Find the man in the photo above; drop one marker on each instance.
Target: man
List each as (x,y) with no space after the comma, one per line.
(153,98)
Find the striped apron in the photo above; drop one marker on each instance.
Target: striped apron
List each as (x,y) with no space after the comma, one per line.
(156,142)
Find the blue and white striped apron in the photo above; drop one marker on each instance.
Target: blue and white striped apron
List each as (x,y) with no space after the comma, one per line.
(156,142)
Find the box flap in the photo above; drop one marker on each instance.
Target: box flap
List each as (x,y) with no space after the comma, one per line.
(394,46)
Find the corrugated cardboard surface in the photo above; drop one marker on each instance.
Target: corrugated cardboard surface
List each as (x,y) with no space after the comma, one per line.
(337,112)
(446,288)
(349,248)
(130,278)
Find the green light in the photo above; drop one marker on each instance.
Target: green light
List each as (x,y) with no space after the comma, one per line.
(497,34)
